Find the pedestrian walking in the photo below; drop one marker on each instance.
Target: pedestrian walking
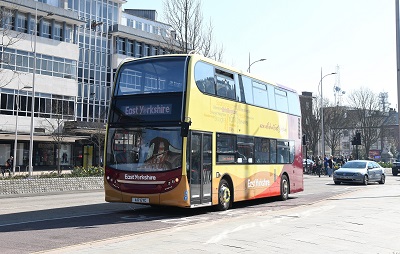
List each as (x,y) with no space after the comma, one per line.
(8,166)
(325,165)
(318,162)
(330,166)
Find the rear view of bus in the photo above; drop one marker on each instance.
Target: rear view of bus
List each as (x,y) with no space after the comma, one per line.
(187,131)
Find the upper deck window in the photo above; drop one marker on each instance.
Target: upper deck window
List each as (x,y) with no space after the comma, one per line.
(218,82)
(204,76)
(155,75)
(225,84)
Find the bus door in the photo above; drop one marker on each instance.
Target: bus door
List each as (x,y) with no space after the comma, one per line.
(200,168)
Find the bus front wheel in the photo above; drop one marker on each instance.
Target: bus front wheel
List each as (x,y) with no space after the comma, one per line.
(284,188)
(224,195)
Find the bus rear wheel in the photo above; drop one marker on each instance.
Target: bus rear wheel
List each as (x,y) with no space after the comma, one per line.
(284,188)
(224,195)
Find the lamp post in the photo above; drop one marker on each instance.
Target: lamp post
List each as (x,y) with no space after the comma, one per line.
(250,64)
(16,126)
(322,114)
(33,91)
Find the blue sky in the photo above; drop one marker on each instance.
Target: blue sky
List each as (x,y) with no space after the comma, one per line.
(299,37)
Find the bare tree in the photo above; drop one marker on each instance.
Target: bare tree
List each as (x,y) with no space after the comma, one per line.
(55,126)
(310,122)
(369,118)
(186,19)
(9,37)
(97,136)
(334,121)
(390,133)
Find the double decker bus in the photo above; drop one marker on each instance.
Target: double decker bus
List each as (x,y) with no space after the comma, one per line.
(186,131)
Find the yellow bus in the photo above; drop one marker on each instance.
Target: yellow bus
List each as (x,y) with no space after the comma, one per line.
(186,131)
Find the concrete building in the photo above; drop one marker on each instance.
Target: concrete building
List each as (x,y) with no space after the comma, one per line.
(77,47)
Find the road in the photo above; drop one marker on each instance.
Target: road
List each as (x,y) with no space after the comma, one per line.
(37,223)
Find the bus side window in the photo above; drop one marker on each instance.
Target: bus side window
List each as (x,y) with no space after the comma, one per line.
(226,146)
(247,90)
(204,76)
(226,88)
(245,149)
(283,152)
(261,150)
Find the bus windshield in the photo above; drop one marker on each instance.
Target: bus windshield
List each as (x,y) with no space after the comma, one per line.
(144,149)
(151,75)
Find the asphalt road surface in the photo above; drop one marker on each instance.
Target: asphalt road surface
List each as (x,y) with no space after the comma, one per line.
(35,223)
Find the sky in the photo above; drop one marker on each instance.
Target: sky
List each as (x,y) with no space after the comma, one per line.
(299,38)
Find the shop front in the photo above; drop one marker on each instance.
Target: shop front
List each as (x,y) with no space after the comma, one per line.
(45,153)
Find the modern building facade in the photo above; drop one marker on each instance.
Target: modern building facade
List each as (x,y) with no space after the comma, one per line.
(77,46)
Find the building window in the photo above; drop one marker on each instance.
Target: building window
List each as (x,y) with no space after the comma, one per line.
(68,33)
(130,23)
(139,25)
(138,50)
(47,105)
(155,30)
(46,29)
(7,17)
(146,27)
(32,26)
(19,60)
(21,24)
(58,31)
(154,51)
(147,50)
(129,48)
(120,46)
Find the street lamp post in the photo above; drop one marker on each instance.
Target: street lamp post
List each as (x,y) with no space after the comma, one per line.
(16,126)
(322,115)
(33,91)
(250,64)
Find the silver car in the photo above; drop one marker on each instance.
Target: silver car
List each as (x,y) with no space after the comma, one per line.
(359,171)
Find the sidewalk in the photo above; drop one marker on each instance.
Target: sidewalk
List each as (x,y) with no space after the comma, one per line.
(363,221)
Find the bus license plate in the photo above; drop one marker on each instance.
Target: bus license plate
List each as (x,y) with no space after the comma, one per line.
(140,200)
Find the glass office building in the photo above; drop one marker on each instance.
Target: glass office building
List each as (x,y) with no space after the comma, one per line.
(74,48)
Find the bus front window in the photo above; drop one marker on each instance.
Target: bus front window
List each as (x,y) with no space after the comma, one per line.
(144,149)
(152,75)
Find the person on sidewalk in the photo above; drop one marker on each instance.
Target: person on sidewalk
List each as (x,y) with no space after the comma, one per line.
(330,166)
(326,164)
(319,163)
(8,166)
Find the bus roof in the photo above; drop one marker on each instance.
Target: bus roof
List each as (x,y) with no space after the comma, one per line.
(214,62)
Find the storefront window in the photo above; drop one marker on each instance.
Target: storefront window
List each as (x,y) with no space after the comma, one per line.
(65,154)
(46,154)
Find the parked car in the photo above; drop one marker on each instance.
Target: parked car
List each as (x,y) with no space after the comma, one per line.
(309,163)
(359,171)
